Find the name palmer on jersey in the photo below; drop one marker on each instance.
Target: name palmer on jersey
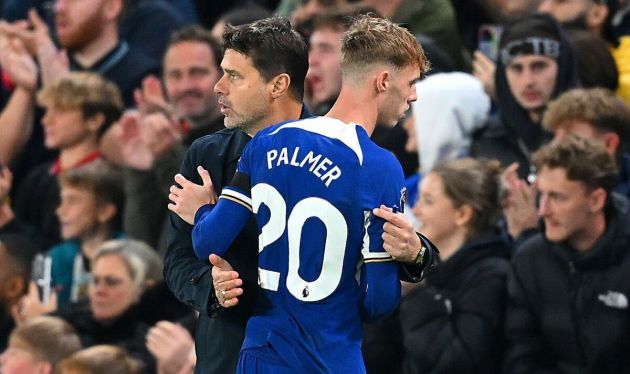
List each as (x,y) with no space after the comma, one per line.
(321,166)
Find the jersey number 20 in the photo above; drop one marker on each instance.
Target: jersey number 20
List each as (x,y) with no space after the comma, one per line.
(334,248)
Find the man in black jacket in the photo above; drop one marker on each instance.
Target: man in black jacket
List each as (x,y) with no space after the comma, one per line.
(266,75)
(568,297)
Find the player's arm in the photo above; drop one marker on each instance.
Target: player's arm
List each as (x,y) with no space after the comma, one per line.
(217,225)
(379,275)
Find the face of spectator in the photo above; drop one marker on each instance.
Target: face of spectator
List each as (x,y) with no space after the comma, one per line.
(17,359)
(324,68)
(112,291)
(190,74)
(79,22)
(566,206)
(65,128)
(78,213)
(586,130)
(435,210)
(243,94)
(400,94)
(567,11)
(532,79)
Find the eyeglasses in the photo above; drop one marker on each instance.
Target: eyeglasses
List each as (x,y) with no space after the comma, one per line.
(108,280)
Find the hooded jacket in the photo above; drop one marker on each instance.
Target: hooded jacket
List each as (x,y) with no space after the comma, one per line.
(513,136)
(568,311)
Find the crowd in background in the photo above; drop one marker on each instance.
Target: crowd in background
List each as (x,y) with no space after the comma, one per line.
(516,156)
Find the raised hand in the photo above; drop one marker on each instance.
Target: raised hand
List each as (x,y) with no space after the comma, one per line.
(150,97)
(31,306)
(172,346)
(17,63)
(484,70)
(519,202)
(136,153)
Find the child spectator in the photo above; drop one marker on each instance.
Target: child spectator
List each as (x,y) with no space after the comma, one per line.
(37,345)
(100,359)
(89,214)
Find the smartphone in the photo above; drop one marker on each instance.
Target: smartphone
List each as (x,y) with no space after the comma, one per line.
(41,275)
(488,40)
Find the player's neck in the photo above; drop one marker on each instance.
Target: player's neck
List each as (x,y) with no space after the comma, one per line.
(288,110)
(355,106)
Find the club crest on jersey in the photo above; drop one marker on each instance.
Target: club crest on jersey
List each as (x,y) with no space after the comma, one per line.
(403,198)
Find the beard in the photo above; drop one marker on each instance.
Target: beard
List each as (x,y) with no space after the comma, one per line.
(82,33)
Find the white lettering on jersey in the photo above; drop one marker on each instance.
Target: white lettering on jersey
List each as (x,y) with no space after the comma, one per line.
(320,168)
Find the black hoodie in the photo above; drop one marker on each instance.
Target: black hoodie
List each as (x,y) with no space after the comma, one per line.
(514,136)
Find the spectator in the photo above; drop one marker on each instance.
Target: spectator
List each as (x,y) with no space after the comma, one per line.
(100,359)
(599,115)
(568,296)
(154,141)
(324,70)
(452,322)
(458,209)
(36,346)
(89,214)
(79,109)
(452,108)
(16,255)
(596,65)
(112,314)
(535,65)
(596,114)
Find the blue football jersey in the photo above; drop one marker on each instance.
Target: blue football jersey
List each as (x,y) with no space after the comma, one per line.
(312,185)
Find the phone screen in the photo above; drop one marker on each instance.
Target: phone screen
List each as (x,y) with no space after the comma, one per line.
(41,275)
(489,36)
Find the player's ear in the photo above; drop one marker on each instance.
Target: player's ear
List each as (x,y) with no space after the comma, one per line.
(382,81)
(280,85)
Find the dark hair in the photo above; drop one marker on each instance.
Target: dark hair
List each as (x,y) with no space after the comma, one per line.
(595,63)
(197,34)
(584,161)
(245,14)
(475,183)
(274,48)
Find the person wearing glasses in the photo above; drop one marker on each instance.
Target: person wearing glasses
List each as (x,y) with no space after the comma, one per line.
(112,312)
